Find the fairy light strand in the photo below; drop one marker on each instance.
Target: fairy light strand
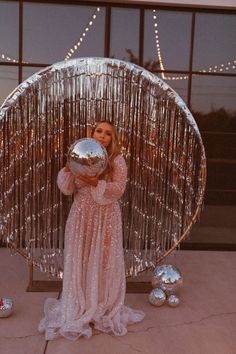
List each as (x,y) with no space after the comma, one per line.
(77,45)
(212,69)
(5,57)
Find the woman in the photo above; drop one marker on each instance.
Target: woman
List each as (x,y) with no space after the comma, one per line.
(94,274)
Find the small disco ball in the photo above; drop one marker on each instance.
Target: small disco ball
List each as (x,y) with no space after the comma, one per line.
(173,301)
(157,297)
(6,307)
(168,278)
(87,157)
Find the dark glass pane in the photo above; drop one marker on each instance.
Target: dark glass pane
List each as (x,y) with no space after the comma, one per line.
(214,45)
(179,83)
(29,71)
(52,31)
(9,26)
(125,34)
(167,38)
(213,98)
(8,81)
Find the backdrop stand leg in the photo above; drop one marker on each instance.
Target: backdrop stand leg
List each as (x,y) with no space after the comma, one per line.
(42,285)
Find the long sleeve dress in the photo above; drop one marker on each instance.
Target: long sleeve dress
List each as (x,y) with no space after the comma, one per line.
(94,281)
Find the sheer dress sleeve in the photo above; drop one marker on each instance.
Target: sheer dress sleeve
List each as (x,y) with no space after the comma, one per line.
(108,192)
(66,182)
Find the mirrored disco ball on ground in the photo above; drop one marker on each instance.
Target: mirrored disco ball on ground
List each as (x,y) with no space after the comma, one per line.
(87,157)
(157,297)
(168,278)
(6,307)
(173,301)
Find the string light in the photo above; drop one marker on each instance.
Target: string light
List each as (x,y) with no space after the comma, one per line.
(221,67)
(76,46)
(7,58)
(217,68)
(158,45)
(11,60)
(72,50)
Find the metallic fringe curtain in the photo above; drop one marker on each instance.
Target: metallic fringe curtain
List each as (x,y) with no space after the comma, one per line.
(159,139)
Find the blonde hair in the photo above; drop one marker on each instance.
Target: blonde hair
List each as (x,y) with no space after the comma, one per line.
(112,150)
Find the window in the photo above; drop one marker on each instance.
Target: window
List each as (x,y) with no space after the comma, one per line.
(167,37)
(8,81)
(51,32)
(213,99)
(9,27)
(214,49)
(124,34)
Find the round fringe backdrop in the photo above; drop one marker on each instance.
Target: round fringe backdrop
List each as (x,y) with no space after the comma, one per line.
(160,141)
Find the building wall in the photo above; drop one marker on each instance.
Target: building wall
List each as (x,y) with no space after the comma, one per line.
(194,53)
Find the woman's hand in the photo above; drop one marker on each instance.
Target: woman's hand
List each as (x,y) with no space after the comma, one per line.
(92,180)
(66,169)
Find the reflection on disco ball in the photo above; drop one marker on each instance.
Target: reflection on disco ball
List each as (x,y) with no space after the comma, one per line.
(87,157)
(168,278)
(173,300)
(157,297)
(6,307)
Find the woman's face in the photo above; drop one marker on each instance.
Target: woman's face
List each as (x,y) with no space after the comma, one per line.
(103,134)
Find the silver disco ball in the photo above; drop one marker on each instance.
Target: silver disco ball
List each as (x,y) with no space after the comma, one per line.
(168,278)
(87,157)
(157,297)
(173,301)
(6,307)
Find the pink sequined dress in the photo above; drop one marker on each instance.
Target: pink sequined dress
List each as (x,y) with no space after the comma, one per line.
(94,281)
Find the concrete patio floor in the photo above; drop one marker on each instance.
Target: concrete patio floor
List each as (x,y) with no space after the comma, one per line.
(204,322)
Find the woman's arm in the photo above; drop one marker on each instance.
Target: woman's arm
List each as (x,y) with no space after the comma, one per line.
(66,181)
(108,192)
